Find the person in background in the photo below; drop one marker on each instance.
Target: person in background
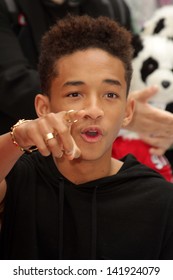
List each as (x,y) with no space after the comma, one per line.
(140,13)
(71,199)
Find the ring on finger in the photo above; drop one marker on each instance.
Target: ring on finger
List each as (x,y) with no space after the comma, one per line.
(49,136)
(68,118)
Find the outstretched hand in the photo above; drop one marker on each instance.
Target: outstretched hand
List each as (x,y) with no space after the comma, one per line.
(50,134)
(154,125)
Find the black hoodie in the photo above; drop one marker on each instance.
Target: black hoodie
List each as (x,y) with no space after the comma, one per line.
(125,216)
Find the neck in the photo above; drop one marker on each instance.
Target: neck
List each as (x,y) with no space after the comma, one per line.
(81,171)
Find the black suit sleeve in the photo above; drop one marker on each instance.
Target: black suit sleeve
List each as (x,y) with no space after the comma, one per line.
(19,81)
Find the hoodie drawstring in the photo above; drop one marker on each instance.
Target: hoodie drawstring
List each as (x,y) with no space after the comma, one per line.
(94,226)
(61,221)
(61,218)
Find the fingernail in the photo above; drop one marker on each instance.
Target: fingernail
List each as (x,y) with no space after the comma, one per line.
(68,153)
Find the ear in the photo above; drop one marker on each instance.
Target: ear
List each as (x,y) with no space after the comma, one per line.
(42,105)
(128,113)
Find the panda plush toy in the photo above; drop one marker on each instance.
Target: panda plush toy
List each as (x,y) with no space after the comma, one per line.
(161,23)
(152,65)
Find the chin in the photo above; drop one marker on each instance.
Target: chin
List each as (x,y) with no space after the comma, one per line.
(91,155)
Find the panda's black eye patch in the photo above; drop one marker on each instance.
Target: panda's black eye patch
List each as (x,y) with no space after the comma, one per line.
(149,66)
(137,44)
(159,26)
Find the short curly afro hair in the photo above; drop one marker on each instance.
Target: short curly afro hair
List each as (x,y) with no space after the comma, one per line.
(74,33)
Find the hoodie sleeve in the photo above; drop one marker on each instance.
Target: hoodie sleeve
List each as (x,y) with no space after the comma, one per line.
(167,247)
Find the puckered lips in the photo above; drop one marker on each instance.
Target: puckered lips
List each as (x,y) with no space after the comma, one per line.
(92,134)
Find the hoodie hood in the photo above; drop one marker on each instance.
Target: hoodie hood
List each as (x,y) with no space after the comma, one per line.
(130,170)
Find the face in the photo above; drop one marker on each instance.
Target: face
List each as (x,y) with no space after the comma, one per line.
(94,81)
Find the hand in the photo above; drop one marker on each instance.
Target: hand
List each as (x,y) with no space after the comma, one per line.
(159,145)
(154,125)
(50,134)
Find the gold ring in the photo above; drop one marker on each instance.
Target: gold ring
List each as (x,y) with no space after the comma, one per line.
(49,136)
(67,117)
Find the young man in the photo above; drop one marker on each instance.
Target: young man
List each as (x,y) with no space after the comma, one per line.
(70,199)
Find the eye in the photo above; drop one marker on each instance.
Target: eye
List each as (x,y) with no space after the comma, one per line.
(151,67)
(74,94)
(111,95)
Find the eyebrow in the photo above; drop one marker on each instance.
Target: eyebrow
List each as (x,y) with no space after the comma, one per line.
(73,83)
(79,83)
(112,82)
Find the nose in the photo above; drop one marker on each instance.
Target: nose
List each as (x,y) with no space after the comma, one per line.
(94,109)
(165,84)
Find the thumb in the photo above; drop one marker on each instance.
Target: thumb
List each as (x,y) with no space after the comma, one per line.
(145,94)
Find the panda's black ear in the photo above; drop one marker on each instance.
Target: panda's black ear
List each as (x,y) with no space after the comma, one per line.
(159,26)
(137,44)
